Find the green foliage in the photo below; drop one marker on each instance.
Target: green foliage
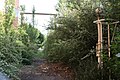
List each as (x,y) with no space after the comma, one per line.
(33,41)
(34,34)
(10,50)
(17,45)
(10,55)
(112,10)
(73,37)
(114,63)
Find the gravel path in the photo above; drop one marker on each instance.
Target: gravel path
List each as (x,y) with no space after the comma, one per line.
(42,70)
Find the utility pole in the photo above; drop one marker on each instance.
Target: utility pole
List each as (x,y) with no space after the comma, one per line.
(33,16)
(22,11)
(38,13)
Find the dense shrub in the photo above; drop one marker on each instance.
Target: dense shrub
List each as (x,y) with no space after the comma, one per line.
(17,45)
(10,50)
(73,38)
(112,11)
(114,63)
(32,41)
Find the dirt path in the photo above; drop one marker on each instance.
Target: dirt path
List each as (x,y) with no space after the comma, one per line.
(42,70)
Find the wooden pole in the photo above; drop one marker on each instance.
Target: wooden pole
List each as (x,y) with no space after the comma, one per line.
(99,42)
(99,45)
(108,41)
(109,50)
(33,16)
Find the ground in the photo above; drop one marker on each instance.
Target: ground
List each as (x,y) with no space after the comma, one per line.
(43,70)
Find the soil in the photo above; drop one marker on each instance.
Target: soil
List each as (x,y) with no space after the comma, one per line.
(43,70)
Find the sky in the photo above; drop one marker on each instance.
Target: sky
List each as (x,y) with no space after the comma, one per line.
(41,6)
(1,4)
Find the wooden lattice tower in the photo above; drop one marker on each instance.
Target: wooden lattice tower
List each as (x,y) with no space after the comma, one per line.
(100,45)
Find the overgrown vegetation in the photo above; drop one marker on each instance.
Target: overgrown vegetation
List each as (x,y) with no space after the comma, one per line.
(17,45)
(73,37)
(32,41)
(112,11)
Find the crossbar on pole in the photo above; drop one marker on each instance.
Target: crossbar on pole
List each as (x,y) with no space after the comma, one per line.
(38,13)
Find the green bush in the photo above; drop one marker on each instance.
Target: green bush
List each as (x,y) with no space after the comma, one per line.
(10,50)
(72,37)
(10,53)
(32,41)
(17,45)
(114,63)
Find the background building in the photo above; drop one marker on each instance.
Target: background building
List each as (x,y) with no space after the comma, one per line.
(16,10)
(15,22)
